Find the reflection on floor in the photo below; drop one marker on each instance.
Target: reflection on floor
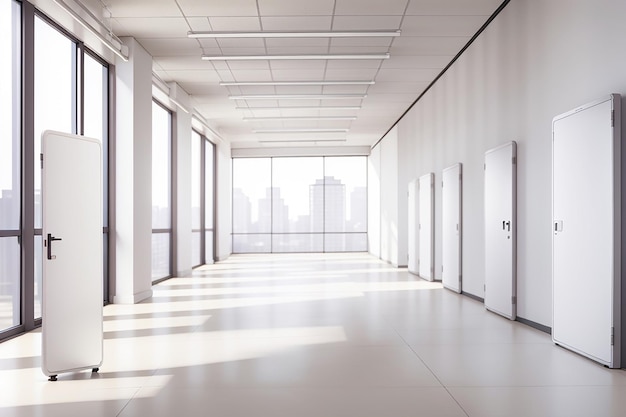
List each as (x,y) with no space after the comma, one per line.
(312,335)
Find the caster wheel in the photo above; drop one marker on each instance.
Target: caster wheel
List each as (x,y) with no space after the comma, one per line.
(95,370)
(52,378)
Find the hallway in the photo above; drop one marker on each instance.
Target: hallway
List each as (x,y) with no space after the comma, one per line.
(334,335)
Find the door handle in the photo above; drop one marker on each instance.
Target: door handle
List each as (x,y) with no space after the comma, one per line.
(506,225)
(49,240)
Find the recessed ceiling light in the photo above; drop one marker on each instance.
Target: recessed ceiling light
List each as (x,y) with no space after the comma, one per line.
(334,108)
(296,34)
(298,97)
(292,57)
(300,131)
(269,119)
(292,83)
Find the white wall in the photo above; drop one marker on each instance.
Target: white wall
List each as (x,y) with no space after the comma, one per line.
(133,177)
(224,201)
(373,202)
(537,59)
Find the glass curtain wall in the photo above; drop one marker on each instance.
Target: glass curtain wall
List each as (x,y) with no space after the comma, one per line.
(196,199)
(209,201)
(161,192)
(10,164)
(63,87)
(303,204)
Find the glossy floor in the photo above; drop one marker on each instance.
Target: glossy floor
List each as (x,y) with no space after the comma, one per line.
(312,335)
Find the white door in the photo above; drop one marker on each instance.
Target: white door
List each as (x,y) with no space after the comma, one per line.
(72,254)
(413,225)
(500,230)
(426,226)
(451,228)
(586,235)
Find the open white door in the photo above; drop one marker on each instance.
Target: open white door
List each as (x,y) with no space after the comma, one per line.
(586,239)
(451,228)
(500,230)
(426,226)
(72,255)
(413,224)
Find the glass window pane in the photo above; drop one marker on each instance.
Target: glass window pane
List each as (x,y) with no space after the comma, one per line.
(161,167)
(345,242)
(10,116)
(160,255)
(196,172)
(345,194)
(9,282)
(297,194)
(300,242)
(252,243)
(55,87)
(96,115)
(252,201)
(38,276)
(209,195)
(208,247)
(196,249)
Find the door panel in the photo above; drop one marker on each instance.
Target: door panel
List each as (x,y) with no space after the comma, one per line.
(500,230)
(413,225)
(451,228)
(585,248)
(426,227)
(72,253)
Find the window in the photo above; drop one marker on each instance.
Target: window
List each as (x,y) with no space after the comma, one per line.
(161,192)
(196,199)
(10,164)
(304,204)
(209,200)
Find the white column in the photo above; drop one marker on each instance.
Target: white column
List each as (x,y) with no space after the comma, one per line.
(133,177)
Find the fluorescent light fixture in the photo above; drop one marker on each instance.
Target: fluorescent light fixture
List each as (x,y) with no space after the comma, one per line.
(269,119)
(301,131)
(298,97)
(334,108)
(106,42)
(292,57)
(290,83)
(301,141)
(297,34)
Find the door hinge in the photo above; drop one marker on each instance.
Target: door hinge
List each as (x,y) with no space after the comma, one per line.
(612,336)
(612,118)
(41,159)
(513,300)
(514,160)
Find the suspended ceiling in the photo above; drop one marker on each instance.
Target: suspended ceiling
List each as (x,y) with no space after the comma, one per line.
(432,33)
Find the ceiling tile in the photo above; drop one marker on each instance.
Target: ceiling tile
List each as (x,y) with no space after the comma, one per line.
(205,77)
(311,74)
(234,24)
(171,47)
(298,65)
(182,63)
(199,23)
(151,27)
(370,7)
(354,64)
(252,75)
(241,43)
(296,42)
(453,7)
(299,89)
(294,50)
(397,87)
(243,51)
(143,8)
(248,65)
(428,45)
(361,42)
(358,50)
(251,89)
(297,23)
(442,25)
(335,74)
(366,22)
(345,89)
(296,7)
(218,8)
(420,61)
(407,75)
